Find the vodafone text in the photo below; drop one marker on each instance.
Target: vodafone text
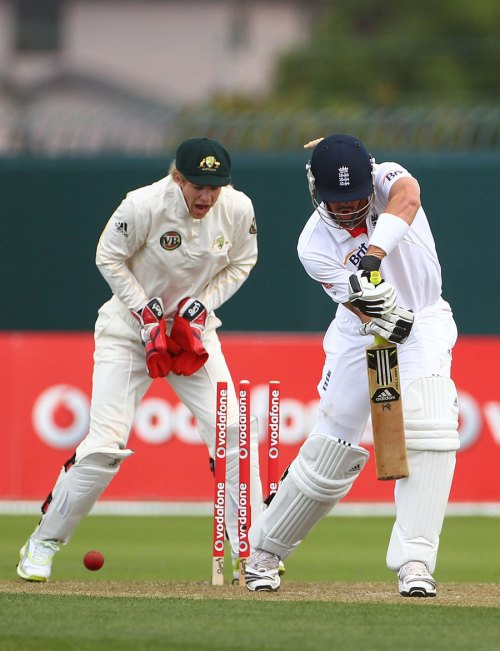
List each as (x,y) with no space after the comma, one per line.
(219,519)
(243,516)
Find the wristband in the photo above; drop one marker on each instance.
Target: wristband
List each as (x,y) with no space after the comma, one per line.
(388,232)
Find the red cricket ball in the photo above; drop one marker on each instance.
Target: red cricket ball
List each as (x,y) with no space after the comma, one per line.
(93,560)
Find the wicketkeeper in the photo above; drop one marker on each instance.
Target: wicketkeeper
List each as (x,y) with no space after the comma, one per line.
(172,253)
(367,218)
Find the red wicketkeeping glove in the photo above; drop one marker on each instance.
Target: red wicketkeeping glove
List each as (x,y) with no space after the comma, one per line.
(152,322)
(158,364)
(189,323)
(183,362)
(154,337)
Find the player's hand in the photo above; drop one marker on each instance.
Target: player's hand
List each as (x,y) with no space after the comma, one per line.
(186,334)
(189,323)
(371,299)
(394,326)
(152,322)
(158,364)
(369,263)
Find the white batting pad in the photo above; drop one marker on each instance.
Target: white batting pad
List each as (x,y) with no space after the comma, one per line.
(321,475)
(421,501)
(76,492)
(431,414)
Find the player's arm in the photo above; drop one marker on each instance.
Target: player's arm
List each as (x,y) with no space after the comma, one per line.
(393,224)
(242,259)
(123,235)
(362,317)
(403,203)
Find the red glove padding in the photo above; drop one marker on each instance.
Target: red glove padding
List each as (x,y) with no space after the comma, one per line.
(154,337)
(188,363)
(185,345)
(189,323)
(158,364)
(185,362)
(153,326)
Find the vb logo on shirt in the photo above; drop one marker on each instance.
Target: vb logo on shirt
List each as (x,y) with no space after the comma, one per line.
(170,240)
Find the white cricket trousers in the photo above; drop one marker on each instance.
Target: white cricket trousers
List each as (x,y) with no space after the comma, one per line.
(120,381)
(425,365)
(344,405)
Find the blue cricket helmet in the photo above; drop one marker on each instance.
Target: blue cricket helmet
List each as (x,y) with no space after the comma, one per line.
(342,169)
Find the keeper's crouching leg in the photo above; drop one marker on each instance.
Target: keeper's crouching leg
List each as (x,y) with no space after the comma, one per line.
(321,475)
(79,485)
(431,425)
(75,493)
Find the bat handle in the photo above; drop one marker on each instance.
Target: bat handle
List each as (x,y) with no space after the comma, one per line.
(376,279)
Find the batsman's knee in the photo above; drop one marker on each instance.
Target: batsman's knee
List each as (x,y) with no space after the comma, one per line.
(430,407)
(326,468)
(321,475)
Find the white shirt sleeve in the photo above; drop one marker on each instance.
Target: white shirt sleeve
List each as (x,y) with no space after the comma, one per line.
(330,273)
(124,234)
(385,176)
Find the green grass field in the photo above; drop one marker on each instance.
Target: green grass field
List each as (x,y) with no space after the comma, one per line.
(153,592)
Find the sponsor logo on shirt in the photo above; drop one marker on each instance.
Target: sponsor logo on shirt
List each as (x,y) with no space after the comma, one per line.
(121,227)
(391,175)
(354,257)
(170,240)
(253,227)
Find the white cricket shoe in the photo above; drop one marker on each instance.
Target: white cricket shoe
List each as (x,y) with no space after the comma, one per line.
(415,580)
(262,571)
(35,561)
(236,570)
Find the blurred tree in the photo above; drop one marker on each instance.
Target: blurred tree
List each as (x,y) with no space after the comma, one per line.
(394,52)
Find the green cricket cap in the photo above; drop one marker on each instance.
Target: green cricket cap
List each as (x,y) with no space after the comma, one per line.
(203,161)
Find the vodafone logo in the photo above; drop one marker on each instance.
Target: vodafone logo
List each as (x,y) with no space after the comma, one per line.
(61,416)
(157,421)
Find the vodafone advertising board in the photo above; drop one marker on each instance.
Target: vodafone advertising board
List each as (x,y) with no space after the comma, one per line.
(46,382)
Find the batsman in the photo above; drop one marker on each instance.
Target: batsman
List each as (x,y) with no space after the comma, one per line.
(172,253)
(368,218)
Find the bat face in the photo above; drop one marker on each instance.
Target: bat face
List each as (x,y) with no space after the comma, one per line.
(386,412)
(384,361)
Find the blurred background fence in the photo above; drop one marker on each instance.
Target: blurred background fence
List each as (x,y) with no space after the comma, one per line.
(148,129)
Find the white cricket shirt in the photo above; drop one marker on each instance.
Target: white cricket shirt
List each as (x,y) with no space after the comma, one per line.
(151,246)
(330,255)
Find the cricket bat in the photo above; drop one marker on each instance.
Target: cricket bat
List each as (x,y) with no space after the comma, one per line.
(386,407)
